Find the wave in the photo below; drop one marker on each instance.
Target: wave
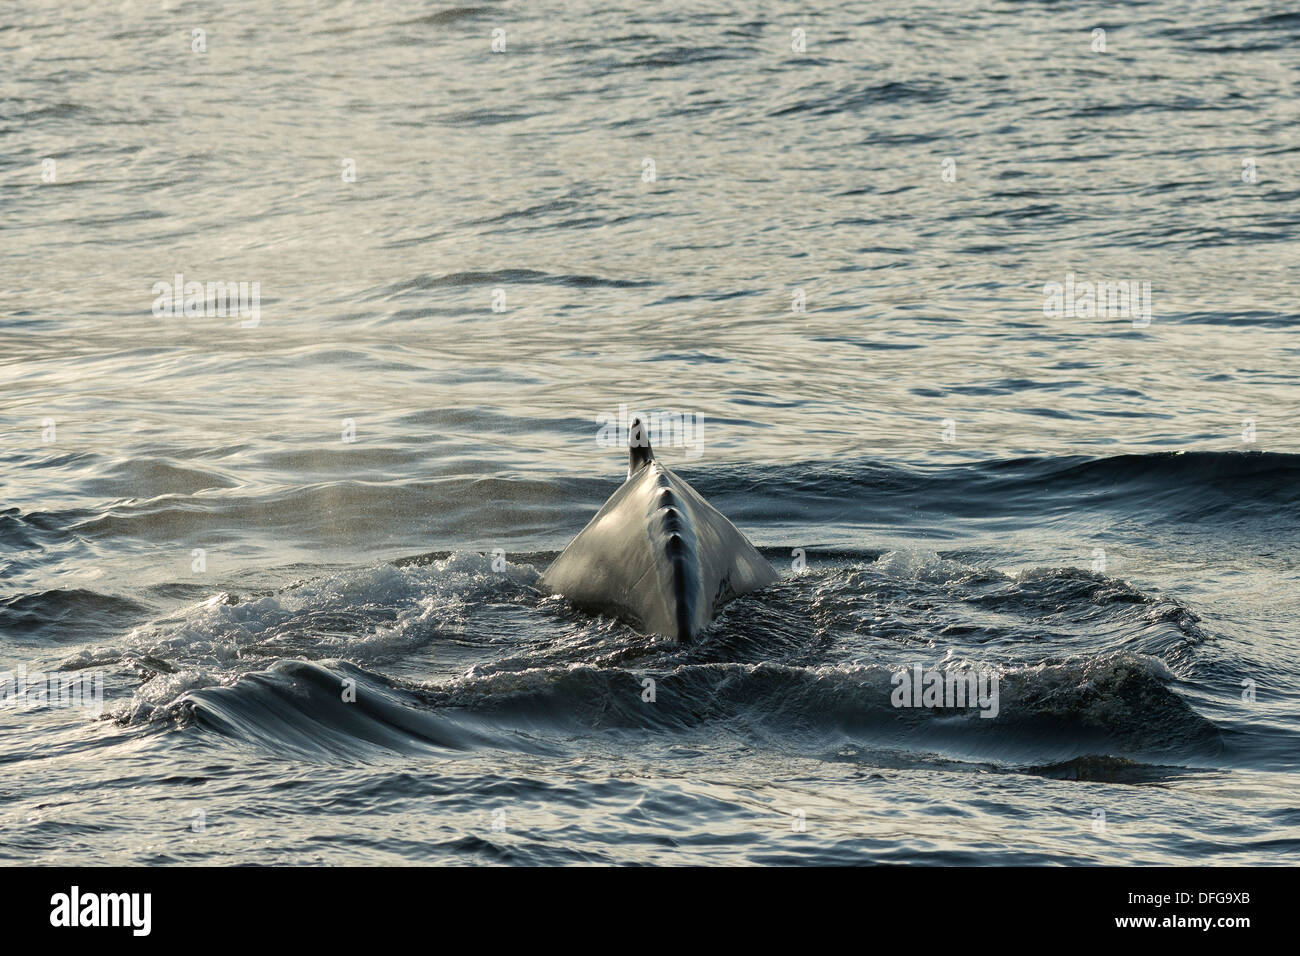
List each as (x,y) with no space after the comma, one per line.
(66,613)
(461,652)
(304,709)
(859,99)
(1257,490)
(502,276)
(1048,715)
(1169,486)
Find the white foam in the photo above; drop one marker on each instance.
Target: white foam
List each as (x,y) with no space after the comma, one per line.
(359,614)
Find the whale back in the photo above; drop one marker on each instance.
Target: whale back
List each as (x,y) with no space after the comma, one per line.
(658,556)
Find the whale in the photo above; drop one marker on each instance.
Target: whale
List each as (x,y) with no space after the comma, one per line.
(657,556)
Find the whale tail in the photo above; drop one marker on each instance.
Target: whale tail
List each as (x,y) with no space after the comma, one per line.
(639,451)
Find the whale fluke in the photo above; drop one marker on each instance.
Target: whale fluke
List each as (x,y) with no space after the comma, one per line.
(657,555)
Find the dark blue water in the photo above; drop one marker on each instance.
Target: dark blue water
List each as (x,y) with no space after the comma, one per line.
(301,548)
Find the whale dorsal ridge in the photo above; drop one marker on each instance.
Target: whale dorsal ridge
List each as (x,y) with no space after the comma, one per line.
(639,451)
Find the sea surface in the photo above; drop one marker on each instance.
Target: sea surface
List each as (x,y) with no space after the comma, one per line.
(298,546)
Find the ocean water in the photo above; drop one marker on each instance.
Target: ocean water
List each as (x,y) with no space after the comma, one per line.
(299,545)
